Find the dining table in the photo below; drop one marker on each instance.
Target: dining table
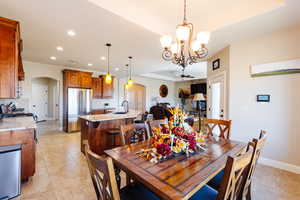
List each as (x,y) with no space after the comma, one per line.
(181,176)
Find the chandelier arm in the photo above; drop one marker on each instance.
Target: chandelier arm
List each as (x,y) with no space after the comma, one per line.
(167,55)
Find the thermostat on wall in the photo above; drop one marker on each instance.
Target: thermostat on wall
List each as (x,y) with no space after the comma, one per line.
(263,98)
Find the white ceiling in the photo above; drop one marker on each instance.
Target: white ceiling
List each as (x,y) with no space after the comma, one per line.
(134,27)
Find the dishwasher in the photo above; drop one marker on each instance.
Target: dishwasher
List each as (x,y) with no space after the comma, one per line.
(10,171)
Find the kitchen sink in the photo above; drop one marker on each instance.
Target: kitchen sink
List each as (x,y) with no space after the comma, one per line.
(119,113)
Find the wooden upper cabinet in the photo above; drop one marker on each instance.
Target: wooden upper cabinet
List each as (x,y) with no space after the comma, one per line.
(97,88)
(86,79)
(21,73)
(9,57)
(107,89)
(77,79)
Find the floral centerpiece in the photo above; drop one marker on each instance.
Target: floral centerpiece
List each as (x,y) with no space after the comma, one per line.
(173,139)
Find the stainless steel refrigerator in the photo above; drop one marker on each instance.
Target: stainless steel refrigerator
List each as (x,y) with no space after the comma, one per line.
(79,103)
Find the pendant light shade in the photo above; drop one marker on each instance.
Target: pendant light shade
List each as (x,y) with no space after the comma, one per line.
(108,77)
(130,81)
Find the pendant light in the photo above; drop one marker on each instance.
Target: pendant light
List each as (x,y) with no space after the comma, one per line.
(108,78)
(127,68)
(130,81)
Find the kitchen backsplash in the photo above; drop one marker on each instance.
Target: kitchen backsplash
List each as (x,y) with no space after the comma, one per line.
(100,103)
(20,103)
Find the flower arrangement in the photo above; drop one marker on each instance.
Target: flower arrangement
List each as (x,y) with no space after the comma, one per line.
(174,139)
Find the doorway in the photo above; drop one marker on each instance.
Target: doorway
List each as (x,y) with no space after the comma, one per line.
(45,98)
(217,97)
(136,96)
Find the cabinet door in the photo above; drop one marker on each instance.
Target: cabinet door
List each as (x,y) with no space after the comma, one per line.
(73,79)
(107,89)
(85,80)
(97,88)
(8,61)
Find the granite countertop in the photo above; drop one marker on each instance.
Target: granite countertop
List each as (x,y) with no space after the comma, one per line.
(109,116)
(17,123)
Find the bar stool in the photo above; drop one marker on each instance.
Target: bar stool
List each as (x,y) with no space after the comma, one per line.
(113,132)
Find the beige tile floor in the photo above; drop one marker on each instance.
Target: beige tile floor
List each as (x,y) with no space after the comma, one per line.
(62,173)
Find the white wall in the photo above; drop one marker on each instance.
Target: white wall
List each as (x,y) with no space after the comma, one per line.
(280,118)
(152,90)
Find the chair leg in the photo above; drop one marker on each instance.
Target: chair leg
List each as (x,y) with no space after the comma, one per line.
(118,177)
(248,195)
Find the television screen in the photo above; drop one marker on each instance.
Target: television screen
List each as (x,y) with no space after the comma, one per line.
(198,88)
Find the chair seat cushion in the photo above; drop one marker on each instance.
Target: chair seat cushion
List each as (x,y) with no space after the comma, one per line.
(137,191)
(205,193)
(216,181)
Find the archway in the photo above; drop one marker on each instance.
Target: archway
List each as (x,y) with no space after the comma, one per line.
(136,96)
(45,98)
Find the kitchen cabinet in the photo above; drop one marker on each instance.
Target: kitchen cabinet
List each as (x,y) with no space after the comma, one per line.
(77,79)
(27,139)
(86,79)
(107,89)
(97,88)
(10,58)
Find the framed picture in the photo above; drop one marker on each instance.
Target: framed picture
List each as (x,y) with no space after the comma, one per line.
(216,64)
(263,98)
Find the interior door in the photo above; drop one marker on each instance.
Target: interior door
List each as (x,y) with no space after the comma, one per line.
(40,101)
(136,96)
(217,97)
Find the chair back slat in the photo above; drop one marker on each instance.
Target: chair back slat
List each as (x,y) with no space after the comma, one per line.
(152,124)
(258,144)
(102,175)
(223,126)
(131,134)
(234,174)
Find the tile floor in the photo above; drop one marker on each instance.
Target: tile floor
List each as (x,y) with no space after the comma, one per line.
(62,173)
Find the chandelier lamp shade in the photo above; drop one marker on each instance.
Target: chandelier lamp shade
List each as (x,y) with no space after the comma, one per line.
(186,50)
(130,81)
(108,77)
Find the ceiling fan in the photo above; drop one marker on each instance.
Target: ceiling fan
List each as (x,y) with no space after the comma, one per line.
(185,75)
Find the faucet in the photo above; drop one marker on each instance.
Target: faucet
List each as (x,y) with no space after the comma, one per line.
(125,105)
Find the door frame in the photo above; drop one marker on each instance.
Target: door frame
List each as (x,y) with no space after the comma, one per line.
(222,75)
(56,101)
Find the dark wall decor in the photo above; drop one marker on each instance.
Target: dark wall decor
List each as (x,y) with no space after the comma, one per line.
(263,98)
(216,64)
(163,91)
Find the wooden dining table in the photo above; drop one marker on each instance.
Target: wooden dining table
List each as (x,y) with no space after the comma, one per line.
(181,176)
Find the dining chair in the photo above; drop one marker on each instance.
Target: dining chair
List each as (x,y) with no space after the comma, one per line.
(232,181)
(222,126)
(104,180)
(130,134)
(257,144)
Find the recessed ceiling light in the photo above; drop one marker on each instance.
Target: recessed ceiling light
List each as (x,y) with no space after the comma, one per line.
(103,58)
(90,64)
(117,69)
(71,33)
(59,48)
(53,58)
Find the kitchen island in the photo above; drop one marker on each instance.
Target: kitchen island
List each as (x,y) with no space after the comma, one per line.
(94,129)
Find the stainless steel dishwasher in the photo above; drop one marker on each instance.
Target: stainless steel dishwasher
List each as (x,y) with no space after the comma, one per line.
(10,171)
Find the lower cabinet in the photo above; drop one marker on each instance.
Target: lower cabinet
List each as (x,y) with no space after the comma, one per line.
(27,139)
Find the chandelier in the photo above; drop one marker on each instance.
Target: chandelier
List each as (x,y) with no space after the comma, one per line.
(184,51)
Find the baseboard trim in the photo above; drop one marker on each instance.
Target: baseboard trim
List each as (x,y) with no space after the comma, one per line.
(280,165)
